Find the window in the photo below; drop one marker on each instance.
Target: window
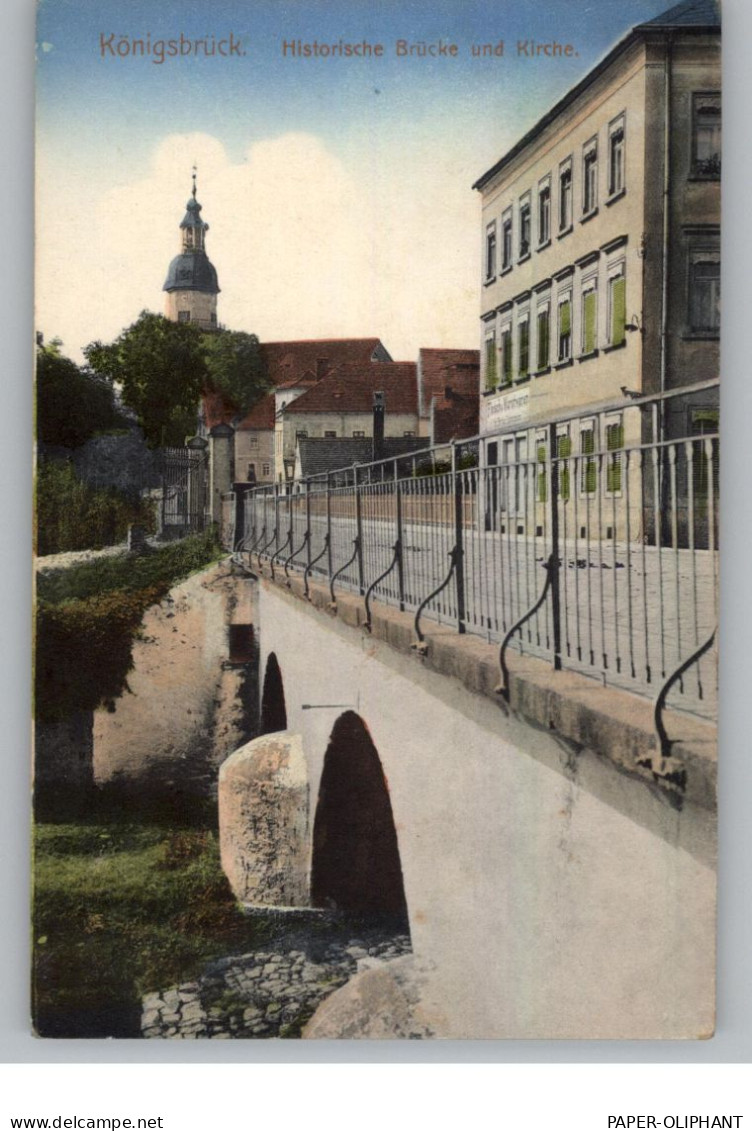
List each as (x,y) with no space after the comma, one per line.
(266,469)
(544,213)
(565,197)
(589,319)
(491,251)
(359,435)
(330,435)
(408,433)
(588,473)
(705,293)
(617,308)
(524,229)
(490,360)
(213,318)
(185,315)
(507,369)
(541,484)
(706,135)
(564,351)
(616,156)
(544,336)
(590,179)
(614,445)
(563,452)
(253,441)
(251,476)
(506,240)
(523,347)
(704,422)
(302,435)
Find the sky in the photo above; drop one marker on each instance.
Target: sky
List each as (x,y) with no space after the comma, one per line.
(338,190)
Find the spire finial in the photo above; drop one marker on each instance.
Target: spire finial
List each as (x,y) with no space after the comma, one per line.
(195,170)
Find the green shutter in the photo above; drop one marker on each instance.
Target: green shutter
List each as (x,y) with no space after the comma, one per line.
(542,494)
(618,310)
(589,311)
(491,363)
(543,345)
(588,468)
(506,342)
(564,450)
(524,349)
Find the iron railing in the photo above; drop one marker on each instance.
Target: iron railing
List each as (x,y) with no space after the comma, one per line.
(184,491)
(614,513)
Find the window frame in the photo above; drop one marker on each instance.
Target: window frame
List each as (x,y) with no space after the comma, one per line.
(544,223)
(566,223)
(709,168)
(589,286)
(507,246)
(614,465)
(590,160)
(703,247)
(588,459)
(564,298)
(616,271)
(526,221)
(490,252)
(617,126)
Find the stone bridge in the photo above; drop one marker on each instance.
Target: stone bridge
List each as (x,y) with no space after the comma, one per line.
(558,878)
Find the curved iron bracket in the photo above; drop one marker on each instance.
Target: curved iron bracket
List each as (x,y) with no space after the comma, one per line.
(420,645)
(288,540)
(667,767)
(294,554)
(348,563)
(240,543)
(397,550)
(503,688)
(266,546)
(310,566)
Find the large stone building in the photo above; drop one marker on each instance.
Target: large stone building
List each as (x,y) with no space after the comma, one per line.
(191,282)
(601,264)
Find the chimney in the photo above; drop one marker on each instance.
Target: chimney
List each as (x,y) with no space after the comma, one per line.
(378,426)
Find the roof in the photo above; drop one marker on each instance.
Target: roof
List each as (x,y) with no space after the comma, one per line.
(289,362)
(192,271)
(192,218)
(319,456)
(433,366)
(261,416)
(350,388)
(690,15)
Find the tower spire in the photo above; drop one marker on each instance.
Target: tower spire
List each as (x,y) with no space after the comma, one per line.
(195,170)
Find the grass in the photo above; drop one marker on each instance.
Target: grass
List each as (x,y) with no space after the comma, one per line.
(121,910)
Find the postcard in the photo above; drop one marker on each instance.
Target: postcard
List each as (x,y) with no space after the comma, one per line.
(377,440)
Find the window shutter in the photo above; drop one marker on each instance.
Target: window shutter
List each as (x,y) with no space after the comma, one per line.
(565,317)
(618,310)
(524,349)
(542,494)
(589,321)
(543,339)
(506,340)
(490,363)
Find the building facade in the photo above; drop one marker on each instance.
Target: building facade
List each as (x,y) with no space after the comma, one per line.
(601,251)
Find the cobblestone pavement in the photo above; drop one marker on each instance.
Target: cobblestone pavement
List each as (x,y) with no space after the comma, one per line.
(269,993)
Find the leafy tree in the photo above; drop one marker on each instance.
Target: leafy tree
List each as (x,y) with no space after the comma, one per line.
(235,368)
(163,367)
(72,404)
(160,368)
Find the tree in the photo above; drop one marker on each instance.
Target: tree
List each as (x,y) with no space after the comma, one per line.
(72,404)
(235,368)
(161,370)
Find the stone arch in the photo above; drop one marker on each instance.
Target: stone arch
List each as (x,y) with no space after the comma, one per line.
(356,864)
(273,710)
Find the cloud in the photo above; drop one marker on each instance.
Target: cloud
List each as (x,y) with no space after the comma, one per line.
(304,245)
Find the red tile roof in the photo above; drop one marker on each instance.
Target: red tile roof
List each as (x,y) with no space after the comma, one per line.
(350,388)
(217,410)
(433,366)
(294,363)
(261,416)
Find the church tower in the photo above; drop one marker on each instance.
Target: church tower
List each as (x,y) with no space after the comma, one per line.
(191,282)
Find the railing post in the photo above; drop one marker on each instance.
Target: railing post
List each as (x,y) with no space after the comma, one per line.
(359,528)
(554,559)
(308,520)
(240,491)
(400,542)
(459,568)
(329,523)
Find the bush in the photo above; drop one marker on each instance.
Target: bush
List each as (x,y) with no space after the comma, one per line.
(71,515)
(89,616)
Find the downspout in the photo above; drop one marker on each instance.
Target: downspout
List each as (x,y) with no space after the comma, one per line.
(666,225)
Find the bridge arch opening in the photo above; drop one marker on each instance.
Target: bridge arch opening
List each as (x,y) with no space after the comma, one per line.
(273,710)
(356,864)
